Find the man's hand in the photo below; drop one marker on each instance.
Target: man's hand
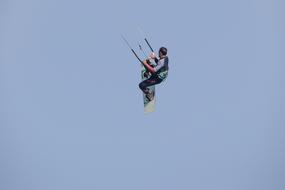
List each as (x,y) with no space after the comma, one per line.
(152,55)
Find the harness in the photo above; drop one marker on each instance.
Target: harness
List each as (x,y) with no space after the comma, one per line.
(163,71)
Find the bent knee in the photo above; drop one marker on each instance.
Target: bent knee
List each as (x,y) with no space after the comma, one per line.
(141,85)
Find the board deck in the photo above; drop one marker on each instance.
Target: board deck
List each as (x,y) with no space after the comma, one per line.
(149,106)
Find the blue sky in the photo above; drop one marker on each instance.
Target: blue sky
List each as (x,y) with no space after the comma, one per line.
(71,113)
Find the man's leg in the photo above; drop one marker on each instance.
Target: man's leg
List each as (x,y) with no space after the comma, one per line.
(149,82)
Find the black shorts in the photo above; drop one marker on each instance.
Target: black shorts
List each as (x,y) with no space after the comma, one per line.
(153,80)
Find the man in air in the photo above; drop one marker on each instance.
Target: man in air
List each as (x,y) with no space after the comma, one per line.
(158,72)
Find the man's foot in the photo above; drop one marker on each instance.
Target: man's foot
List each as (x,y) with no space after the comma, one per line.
(150,95)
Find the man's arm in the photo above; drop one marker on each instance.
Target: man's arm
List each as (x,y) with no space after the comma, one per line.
(148,67)
(147,61)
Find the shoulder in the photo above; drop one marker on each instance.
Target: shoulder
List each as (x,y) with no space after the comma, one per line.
(164,60)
